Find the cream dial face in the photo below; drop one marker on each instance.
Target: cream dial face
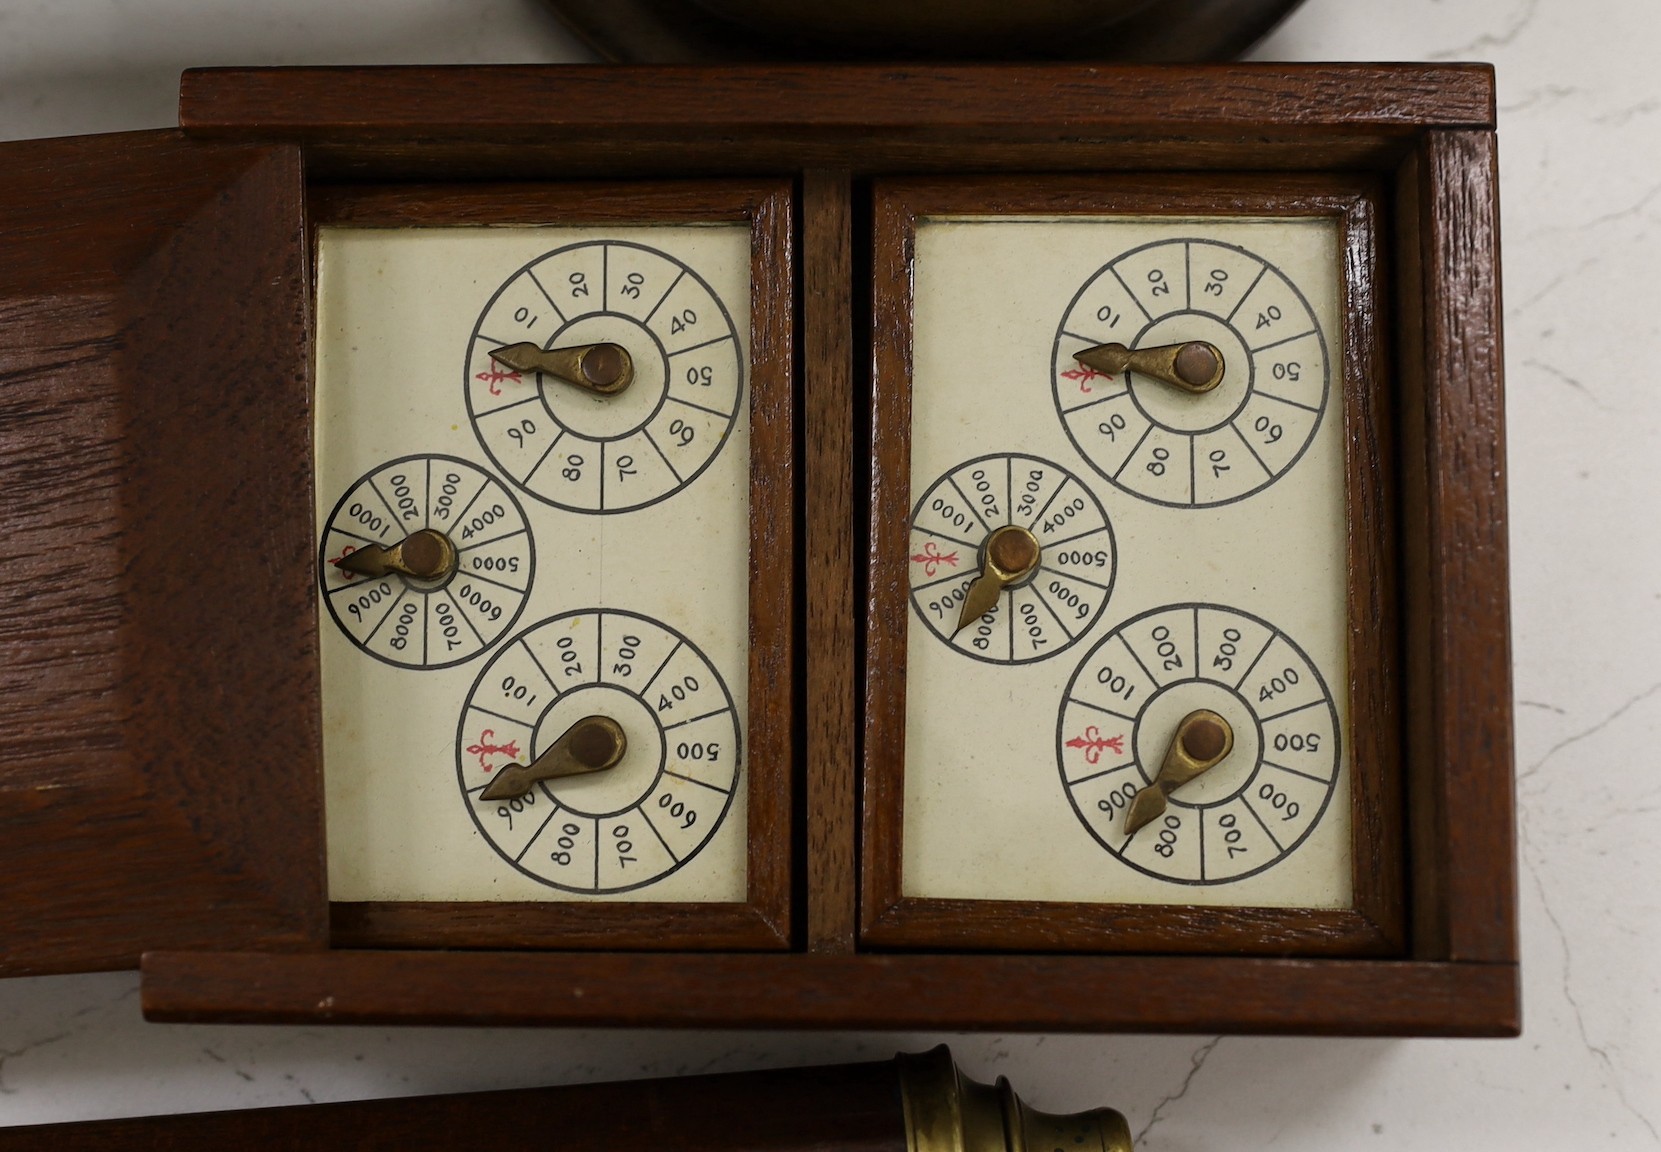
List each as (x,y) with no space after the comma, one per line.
(538,553)
(1188,561)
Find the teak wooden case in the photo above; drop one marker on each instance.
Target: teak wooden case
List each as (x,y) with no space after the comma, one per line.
(127,682)
(1376,925)
(763,920)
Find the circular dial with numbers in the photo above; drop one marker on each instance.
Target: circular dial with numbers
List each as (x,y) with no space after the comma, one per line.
(1126,701)
(637,822)
(1170,445)
(446,618)
(587,452)
(1048,608)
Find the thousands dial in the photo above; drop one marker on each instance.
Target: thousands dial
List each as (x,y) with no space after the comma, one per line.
(1181,437)
(674,765)
(426,561)
(1012,558)
(1198,744)
(604,376)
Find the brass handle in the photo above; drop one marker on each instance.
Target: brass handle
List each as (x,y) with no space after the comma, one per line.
(945,1111)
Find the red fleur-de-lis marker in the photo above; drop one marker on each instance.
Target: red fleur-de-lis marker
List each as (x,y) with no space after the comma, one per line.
(485,748)
(1093,744)
(335,563)
(930,558)
(1084,375)
(494,377)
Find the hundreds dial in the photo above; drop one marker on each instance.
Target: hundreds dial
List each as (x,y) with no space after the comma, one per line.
(1198,744)
(653,756)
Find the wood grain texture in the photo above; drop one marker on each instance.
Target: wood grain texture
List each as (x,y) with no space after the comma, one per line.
(992,993)
(568,122)
(762,921)
(846,1107)
(159,743)
(592,100)
(829,792)
(1377,924)
(1456,573)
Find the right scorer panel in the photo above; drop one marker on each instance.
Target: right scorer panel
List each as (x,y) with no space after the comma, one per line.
(1193,557)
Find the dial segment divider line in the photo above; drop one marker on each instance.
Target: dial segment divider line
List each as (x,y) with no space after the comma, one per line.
(939,580)
(1267,471)
(504,719)
(461,611)
(1146,315)
(646,323)
(1137,447)
(396,521)
(1098,708)
(1098,400)
(647,687)
(497,583)
(1152,679)
(705,344)
(554,687)
(460,552)
(1062,543)
(1246,799)
(973,511)
(427,504)
(1284,400)
(396,600)
(516,404)
(650,823)
(946,538)
(1270,643)
(1305,775)
(543,827)
(1053,495)
(1131,763)
(353,535)
(1262,271)
(1065,575)
(1009,489)
(695,780)
(1038,594)
(548,296)
(1188,306)
(695,719)
(1278,343)
(699,407)
(1292,711)
(1199,814)
(1193,466)
(658,448)
(602,475)
(1196,675)
(468,507)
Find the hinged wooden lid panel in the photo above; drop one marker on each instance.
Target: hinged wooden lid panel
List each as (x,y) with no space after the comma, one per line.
(159,767)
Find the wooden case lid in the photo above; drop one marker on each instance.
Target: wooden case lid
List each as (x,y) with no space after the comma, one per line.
(159,744)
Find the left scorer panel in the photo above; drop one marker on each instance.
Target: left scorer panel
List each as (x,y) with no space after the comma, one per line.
(598,563)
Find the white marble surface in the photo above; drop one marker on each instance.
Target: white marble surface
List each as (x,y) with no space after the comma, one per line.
(1581,160)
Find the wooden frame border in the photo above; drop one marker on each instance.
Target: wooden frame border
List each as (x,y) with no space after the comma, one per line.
(1375,926)
(763,920)
(1427,127)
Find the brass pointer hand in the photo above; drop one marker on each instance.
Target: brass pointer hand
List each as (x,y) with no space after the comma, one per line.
(606,369)
(592,744)
(1202,741)
(1193,367)
(1011,554)
(426,555)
